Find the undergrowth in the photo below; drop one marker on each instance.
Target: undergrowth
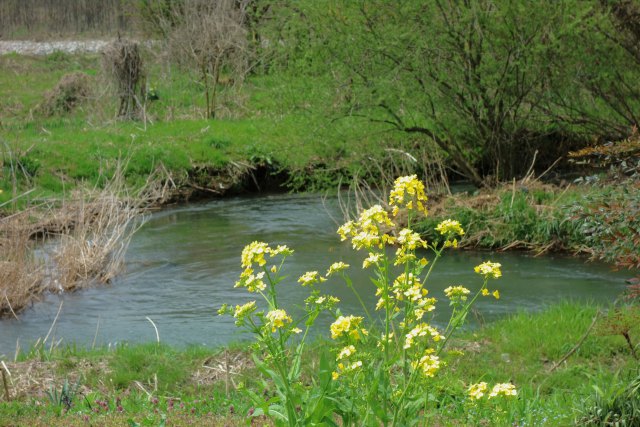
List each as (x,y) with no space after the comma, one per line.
(596,380)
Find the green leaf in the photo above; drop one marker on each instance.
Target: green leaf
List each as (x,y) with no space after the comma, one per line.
(294,372)
(278,412)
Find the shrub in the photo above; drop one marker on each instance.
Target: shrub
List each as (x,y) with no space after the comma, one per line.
(70,92)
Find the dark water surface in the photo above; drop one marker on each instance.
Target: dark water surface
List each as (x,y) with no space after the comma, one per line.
(182,265)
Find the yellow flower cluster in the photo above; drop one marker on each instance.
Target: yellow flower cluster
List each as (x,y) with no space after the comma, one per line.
(367,232)
(489,269)
(346,352)
(408,192)
(347,325)
(505,389)
(254,253)
(337,267)
(277,319)
(371,259)
(450,226)
(329,301)
(428,364)
(408,287)
(409,242)
(420,331)
(457,293)
(311,277)
(253,282)
(479,390)
(243,311)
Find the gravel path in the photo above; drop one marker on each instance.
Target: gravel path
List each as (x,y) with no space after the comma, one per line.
(46,48)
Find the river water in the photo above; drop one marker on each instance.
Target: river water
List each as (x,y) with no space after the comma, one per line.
(182,265)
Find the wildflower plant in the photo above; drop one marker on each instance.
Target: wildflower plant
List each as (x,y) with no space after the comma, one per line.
(384,362)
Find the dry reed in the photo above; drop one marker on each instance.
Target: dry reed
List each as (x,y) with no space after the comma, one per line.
(21,272)
(102,223)
(394,163)
(87,236)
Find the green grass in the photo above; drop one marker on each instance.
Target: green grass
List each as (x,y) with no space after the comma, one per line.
(283,121)
(521,348)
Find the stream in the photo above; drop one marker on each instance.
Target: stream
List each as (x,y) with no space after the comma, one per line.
(182,266)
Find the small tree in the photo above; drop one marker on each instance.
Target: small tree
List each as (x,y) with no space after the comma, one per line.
(211,38)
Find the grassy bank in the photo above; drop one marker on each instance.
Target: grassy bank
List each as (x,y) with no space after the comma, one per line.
(151,384)
(268,122)
(598,220)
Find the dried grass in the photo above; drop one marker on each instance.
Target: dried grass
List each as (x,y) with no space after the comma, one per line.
(71,91)
(87,236)
(34,378)
(394,163)
(21,272)
(223,367)
(122,62)
(101,225)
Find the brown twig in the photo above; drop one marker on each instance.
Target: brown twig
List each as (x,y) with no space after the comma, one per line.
(578,344)
(4,382)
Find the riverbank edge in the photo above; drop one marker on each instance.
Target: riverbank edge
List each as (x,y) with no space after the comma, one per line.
(538,218)
(191,385)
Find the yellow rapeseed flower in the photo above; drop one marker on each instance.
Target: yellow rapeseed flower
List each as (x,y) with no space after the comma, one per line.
(336,267)
(345,325)
(506,389)
(254,253)
(347,230)
(253,282)
(404,281)
(489,269)
(371,259)
(365,240)
(457,293)
(243,311)
(428,364)
(280,250)
(450,226)
(410,240)
(408,192)
(420,331)
(371,219)
(476,391)
(277,319)
(346,352)
(496,294)
(311,277)
(345,369)
(451,243)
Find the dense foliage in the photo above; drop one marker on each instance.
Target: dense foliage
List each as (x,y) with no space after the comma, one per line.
(490,82)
